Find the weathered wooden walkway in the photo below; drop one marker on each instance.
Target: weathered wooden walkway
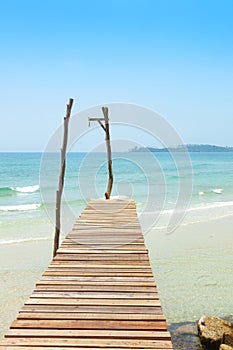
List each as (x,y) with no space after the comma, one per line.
(98,292)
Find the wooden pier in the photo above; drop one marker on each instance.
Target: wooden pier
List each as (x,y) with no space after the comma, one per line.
(98,292)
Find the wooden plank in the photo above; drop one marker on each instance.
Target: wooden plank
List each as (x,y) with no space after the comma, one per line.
(98,279)
(86,316)
(98,230)
(100,268)
(105,256)
(85,301)
(87,333)
(107,217)
(93,252)
(134,243)
(137,343)
(82,225)
(12,347)
(94,295)
(108,225)
(112,236)
(108,239)
(77,257)
(96,273)
(113,242)
(78,282)
(105,262)
(72,272)
(104,246)
(75,245)
(76,272)
(101,265)
(94,287)
(91,324)
(114,309)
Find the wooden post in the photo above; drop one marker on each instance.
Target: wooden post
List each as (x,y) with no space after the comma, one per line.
(109,153)
(108,146)
(61,177)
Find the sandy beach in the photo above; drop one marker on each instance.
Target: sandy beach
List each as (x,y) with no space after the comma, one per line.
(192,267)
(21,266)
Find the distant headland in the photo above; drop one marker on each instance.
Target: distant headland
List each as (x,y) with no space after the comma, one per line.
(183,148)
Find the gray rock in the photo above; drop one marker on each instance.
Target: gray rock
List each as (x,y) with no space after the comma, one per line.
(186,328)
(184,335)
(214,331)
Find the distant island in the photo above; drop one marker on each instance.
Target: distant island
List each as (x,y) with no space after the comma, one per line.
(183,148)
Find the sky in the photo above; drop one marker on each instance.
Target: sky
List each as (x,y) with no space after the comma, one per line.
(171,56)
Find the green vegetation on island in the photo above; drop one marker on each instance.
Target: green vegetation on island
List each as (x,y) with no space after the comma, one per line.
(183,148)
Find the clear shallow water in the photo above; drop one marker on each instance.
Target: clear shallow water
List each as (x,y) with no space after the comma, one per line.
(193,265)
(27,188)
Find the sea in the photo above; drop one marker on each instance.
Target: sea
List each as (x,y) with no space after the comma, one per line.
(177,198)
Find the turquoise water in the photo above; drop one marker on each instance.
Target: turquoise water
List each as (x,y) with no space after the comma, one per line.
(28,182)
(193,266)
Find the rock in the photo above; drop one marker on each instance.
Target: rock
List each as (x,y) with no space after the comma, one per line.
(214,331)
(228,340)
(184,335)
(186,328)
(225,347)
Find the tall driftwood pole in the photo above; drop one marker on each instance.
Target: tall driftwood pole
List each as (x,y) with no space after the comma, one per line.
(61,177)
(109,153)
(108,146)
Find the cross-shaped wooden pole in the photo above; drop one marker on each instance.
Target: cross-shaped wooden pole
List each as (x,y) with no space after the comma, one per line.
(105,127)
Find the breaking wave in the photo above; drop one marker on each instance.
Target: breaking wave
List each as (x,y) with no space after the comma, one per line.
(20,207)
(11,191)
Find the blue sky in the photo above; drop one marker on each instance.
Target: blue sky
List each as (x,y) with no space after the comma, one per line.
(175,57)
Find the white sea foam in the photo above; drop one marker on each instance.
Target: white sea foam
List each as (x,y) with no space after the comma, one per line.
(26,189)
(23,240)
(212,206)
(217,190)
(21,207)
(120,198)
(202,207)
(214,190)
(188,223)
